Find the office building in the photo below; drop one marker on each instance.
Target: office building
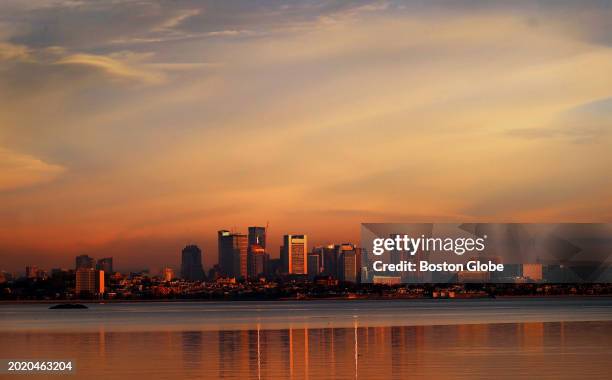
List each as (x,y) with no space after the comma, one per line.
(257,257)
(89,281)
(191,263)
(294,254)
(226,254)
(349,263)
(329,263)
(257,236)
(314,264)
(84,261)
(275,267)
(232,254)
(319,251)
(105,264)
(257,261)
(331,255)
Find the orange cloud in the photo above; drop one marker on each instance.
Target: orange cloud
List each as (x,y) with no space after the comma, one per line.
(19,170)
(124,66)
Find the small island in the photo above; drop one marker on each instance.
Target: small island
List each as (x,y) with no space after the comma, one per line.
(63,306)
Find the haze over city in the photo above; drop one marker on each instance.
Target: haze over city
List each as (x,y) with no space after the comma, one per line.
(130,129)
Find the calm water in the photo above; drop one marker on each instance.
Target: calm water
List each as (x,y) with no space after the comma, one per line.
(544,338)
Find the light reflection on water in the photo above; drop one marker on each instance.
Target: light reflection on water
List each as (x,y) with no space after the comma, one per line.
(545,338)
(543,350)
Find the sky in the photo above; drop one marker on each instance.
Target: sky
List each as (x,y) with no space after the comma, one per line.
(132,128)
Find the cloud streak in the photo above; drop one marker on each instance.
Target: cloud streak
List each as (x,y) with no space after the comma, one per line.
(12,52)
(120,68)
(20,171)
(311,115)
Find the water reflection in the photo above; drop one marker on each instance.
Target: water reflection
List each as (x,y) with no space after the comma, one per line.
(544,350)
(191,350)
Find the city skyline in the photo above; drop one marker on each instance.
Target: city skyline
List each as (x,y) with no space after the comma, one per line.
(169,257)
(129,129)
(176,259)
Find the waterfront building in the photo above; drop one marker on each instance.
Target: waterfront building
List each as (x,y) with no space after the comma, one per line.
(89,281)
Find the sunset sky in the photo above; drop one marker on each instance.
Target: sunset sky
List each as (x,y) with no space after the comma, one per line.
(132,128)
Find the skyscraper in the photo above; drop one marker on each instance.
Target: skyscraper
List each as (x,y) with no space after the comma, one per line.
(318,251)
(84,261)
(232,254)
(257,261)
(191,263)
(329,260)
(293,254)
(226,258)
(257,236)
(106,264)
(349,268)
(257,257)
(314,264)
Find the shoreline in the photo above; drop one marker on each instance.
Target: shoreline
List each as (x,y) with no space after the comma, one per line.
(282,300)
